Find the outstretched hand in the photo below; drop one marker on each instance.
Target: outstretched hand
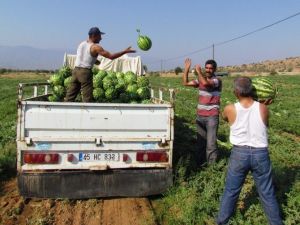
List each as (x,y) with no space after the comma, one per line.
(187,64)
(198,69)
(130,50)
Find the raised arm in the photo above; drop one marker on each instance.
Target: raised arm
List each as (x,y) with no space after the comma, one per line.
(185,77)
(98,50)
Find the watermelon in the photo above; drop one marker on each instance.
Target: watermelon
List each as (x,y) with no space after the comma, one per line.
(119,75)
(67,82)
(132,91)
(110,94)
(54,98)
(146,101)
(124,97)
(95,70)
(143,93)
(144,42)
(98,94)
(59,91)
(142,81)
(102,74)
(56,79)
(130,77)
(108,82)
(263,89)
(65,72)
(97,81)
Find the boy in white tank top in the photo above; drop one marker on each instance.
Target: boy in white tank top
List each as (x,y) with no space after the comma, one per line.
(248,122)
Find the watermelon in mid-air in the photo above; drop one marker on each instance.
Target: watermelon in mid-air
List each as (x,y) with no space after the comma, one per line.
(144,42)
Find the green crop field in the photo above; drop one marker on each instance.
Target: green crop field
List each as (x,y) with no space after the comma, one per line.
(194,198)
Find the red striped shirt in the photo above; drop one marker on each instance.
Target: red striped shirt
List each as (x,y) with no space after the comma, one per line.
(209,97)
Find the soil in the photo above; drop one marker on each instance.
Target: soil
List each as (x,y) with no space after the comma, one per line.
(14,209)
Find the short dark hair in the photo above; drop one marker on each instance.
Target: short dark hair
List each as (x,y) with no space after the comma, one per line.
(211,62)
(243,86)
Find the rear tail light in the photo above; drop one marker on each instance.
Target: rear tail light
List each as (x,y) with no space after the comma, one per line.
(41,158)
(152,157)
(125,157)
(71,157)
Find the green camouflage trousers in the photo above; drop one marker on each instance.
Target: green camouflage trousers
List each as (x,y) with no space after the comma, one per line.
(82,79)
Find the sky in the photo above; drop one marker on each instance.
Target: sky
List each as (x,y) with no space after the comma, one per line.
(176,28)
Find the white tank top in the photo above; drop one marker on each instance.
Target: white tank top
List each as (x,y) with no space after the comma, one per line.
(84,59)
(248,127)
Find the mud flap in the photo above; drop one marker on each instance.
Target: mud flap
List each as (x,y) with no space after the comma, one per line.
(81,185)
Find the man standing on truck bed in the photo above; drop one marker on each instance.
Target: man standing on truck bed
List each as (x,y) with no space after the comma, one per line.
(207,110)
(87,53)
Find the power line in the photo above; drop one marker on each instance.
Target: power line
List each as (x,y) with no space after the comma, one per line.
(230,40)
(181,56)
(187,54)
(257,30)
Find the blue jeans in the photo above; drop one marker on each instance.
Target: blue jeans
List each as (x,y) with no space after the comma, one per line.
(242,160)
(207,128)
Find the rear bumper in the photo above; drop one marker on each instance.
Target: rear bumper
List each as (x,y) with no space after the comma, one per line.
(80,185)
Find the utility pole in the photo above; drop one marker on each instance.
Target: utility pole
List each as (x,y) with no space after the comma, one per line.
(161,65)
(213,53)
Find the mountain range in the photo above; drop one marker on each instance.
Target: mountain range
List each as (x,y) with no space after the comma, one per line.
(29,58)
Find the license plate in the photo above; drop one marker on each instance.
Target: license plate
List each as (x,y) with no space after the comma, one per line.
(107,157)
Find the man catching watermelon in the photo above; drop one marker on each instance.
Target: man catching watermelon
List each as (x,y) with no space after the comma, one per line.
(207,110)
(87,53)
(248,120)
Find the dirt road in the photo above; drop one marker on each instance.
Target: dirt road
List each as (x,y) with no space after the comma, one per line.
(122,211)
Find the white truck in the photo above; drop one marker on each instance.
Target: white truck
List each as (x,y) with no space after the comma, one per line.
(85,150)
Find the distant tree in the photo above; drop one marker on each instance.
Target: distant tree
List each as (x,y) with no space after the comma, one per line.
(145,68)
(3,70)
(178,70)
(273,72)
(154,74)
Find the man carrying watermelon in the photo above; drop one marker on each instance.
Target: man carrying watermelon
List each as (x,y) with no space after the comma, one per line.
(87,53)
(248,120)
(207,110)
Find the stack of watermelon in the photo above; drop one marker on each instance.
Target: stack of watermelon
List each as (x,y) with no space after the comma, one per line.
(115,87)
(59,83)
(120,87)
(264,89)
